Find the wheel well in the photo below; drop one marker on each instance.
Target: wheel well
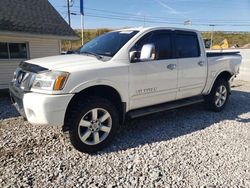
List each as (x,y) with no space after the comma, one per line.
(103,91)
(225,75)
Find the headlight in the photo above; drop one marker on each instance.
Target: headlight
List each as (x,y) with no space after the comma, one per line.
(52,80)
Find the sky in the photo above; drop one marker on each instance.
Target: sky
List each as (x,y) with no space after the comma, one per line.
(204,15)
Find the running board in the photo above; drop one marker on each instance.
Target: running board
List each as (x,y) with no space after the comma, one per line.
(165,106)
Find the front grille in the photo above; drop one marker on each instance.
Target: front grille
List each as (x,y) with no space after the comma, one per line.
(23,79)
(20,76)
(25,74)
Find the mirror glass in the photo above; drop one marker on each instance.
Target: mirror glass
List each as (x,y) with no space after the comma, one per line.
(147,52)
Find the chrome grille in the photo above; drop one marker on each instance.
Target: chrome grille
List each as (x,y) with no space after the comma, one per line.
(25,74)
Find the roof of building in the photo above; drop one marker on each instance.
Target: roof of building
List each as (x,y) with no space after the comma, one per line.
(36,17)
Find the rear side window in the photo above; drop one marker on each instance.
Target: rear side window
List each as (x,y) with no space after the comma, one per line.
(187,45)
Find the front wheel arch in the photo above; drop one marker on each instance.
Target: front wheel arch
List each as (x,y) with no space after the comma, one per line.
(103,91)
(83,130)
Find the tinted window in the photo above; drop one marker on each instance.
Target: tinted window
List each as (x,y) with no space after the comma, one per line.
(18,50)
(143,40)
(108,44)
(162,42)
(187,46)
(4,51)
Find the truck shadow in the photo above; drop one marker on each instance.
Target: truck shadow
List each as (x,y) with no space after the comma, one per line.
(7,110)
(179,122)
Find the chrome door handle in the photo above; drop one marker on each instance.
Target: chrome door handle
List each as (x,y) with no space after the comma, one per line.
(171,66)
(201,63)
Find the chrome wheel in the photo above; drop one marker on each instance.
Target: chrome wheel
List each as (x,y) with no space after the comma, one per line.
(220,96)
(95,126)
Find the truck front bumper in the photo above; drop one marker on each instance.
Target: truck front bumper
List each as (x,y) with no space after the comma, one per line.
(40,109)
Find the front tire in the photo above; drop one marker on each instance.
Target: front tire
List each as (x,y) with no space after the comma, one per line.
(93,124)
(217,99)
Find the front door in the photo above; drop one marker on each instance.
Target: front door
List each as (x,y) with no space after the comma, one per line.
(154,81)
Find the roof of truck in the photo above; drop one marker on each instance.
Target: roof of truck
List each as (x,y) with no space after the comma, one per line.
(156,28)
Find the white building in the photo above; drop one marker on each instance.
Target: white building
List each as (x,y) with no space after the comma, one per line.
(29,29)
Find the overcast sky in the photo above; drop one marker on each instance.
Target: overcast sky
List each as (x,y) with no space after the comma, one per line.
(226,15)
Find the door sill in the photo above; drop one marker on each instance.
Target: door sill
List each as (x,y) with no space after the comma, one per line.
(164,107)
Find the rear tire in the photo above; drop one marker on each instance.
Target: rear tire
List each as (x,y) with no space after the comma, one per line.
(93,124)
(217,99)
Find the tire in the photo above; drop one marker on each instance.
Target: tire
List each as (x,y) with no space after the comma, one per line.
(217,99)
(93,124)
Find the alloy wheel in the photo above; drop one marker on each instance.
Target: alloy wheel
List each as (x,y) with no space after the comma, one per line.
(95,126)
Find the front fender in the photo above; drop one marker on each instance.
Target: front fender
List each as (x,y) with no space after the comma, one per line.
(99,82)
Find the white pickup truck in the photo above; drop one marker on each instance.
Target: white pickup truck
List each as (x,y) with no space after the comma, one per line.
(121,74)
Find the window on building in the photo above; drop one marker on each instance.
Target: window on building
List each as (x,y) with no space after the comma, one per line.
(4,51)
(13,50)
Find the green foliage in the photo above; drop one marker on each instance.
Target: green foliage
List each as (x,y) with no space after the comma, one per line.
(233,38)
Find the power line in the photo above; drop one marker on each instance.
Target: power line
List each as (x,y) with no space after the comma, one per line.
(157,17)
(142,19)
(106,14)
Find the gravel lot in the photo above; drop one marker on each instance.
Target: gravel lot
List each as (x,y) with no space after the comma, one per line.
(187,147)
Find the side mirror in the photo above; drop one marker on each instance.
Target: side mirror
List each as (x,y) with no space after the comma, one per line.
(147,52)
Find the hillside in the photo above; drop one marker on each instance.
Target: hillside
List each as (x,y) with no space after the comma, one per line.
(242,39)
(233,38)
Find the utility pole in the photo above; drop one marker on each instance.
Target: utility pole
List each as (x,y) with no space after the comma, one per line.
(70,44)
(68,12)
(212,36)
(82,27)
(82,18)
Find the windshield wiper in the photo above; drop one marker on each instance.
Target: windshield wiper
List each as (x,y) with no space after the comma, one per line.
(92,53)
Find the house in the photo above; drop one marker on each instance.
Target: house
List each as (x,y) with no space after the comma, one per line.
(29,29)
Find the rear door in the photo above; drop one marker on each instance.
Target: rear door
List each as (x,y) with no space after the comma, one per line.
(192,69)
(154,81)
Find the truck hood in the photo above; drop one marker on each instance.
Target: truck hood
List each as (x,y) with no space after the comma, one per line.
(65,62)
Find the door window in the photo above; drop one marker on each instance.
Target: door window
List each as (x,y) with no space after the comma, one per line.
(163,49)
(161,41)
(187,46)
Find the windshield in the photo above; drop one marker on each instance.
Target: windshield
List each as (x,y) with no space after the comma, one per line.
(108,44)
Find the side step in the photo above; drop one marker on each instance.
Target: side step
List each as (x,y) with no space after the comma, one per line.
(165,106)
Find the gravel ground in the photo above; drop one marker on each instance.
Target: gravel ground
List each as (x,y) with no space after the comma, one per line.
(187,147)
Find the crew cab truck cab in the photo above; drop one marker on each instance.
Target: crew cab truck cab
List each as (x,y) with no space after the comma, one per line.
(121,74)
